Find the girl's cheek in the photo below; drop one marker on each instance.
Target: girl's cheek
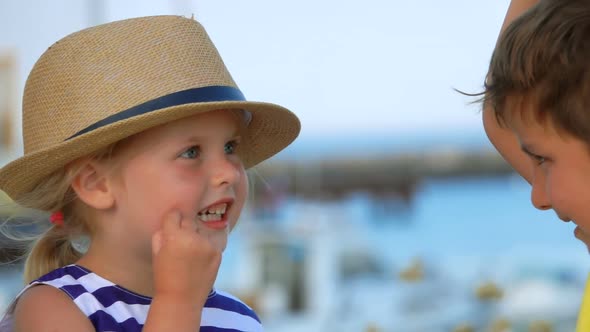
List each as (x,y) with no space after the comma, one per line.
(185,175)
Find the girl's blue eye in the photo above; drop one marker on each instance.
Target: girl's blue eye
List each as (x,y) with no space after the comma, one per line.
(230,147)
(191,153)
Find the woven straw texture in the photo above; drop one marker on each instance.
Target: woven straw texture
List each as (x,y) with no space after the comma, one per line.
(97,72)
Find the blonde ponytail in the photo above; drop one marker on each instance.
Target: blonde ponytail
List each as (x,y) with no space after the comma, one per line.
(52,250)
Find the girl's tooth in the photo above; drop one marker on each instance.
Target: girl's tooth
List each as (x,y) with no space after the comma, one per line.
(214,210)
(210,217)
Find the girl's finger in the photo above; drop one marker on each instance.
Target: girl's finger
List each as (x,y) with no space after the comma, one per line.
(188,224)
(172,222)
(156,242)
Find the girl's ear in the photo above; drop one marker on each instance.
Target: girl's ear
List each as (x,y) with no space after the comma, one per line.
(93,186)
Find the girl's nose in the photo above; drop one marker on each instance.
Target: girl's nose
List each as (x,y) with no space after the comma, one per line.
(225,172)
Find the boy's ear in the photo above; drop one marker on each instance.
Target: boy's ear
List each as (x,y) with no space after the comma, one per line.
(92,186)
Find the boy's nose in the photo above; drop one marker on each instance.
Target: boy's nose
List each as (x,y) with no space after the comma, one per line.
(539,196)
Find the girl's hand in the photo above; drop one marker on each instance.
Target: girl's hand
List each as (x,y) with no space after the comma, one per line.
(185,264)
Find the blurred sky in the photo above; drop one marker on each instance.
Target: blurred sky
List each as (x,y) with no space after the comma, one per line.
(347,68)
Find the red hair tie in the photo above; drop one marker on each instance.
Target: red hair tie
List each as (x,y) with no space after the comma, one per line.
(57,218)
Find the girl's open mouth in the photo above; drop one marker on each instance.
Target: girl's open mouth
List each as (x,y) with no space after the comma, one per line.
(215,216)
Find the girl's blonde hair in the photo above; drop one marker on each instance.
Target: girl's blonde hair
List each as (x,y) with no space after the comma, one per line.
(58,245)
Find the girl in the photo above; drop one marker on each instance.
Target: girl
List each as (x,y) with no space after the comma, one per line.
(137,140)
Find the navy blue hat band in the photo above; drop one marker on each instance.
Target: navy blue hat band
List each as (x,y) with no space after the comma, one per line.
(197,95)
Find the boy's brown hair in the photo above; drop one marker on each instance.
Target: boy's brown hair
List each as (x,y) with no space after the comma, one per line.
(542,60)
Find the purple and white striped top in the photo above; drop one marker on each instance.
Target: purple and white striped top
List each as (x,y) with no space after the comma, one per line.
(113,308)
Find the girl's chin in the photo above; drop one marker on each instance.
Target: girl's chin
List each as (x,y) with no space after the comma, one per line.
(219,242)
(218,239)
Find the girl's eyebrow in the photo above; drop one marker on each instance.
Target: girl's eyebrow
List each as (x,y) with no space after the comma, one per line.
(197,138)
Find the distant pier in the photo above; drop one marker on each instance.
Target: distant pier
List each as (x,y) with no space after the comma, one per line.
(379,176)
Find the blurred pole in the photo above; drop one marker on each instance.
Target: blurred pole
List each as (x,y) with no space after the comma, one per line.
(183,7)
(96,12)
(7,104)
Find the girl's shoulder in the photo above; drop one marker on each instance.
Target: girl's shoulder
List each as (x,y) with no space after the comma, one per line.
(57,279)
(46,302)
(42,306)
(65,278)
(100,302)
(223,309)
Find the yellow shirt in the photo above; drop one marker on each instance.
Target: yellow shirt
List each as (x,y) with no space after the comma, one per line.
(584,315)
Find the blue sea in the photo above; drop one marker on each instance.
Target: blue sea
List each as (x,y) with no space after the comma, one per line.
(464,216)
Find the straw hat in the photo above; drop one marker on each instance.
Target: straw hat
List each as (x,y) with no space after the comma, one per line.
(102,84)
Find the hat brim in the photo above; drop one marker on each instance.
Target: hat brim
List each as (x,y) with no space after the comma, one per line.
(271,129)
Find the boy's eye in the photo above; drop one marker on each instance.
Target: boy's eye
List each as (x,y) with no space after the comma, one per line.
(191,153)
(230,147)
(540,160)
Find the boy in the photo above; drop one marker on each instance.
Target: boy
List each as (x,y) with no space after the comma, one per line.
(537,106)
